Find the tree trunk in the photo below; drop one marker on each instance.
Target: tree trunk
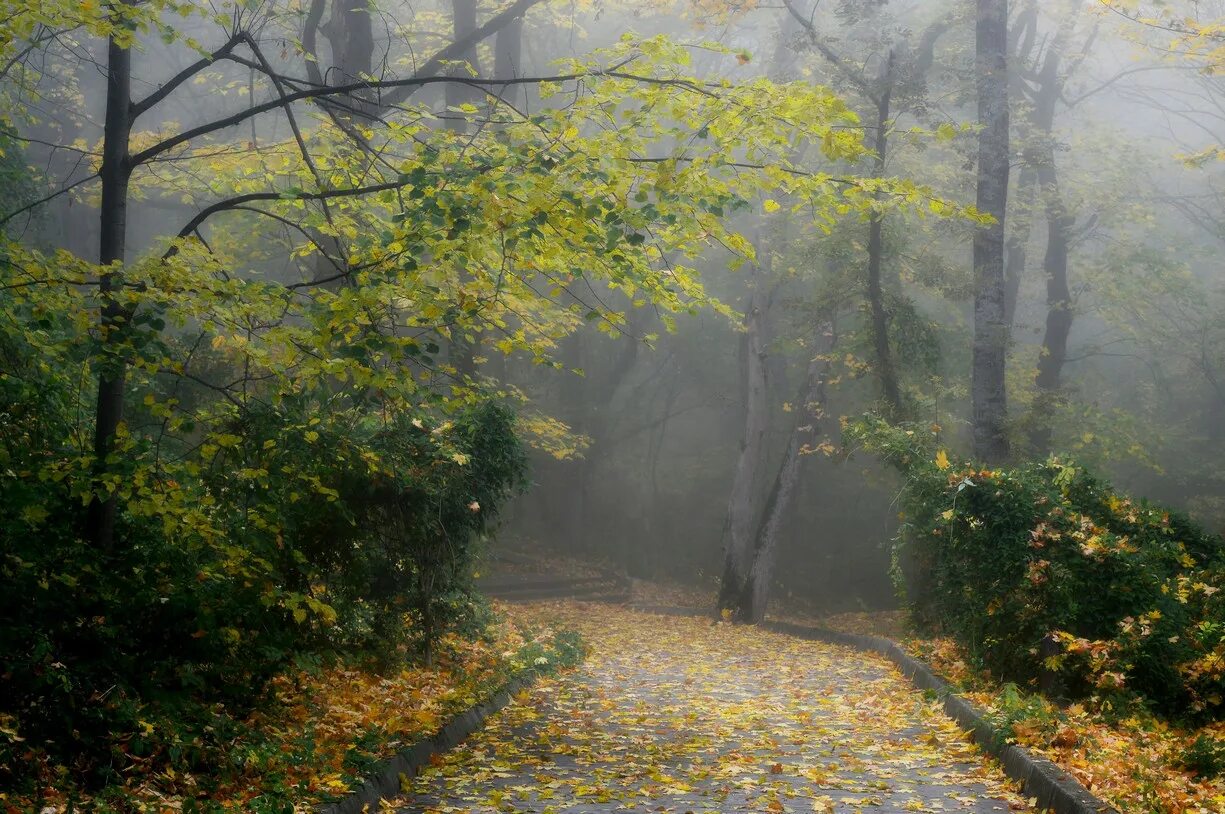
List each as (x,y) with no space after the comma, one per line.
(508,58)
(464,23)
(351,33)
(463,347)
(754,589)
(1059,318)
(115,174)
(1059,314)
(1018,245)
(991,331)
(742,504)
(885,370)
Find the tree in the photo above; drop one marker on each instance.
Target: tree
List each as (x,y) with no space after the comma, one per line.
(898,88)
(991,331)
(760,501)
(1045,88)
(736,595)
(744,591)
(485,231)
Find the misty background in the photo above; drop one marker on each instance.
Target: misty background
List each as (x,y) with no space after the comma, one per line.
(638,432)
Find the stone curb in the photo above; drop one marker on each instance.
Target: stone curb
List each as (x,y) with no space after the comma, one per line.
(383,782)
(1054,788)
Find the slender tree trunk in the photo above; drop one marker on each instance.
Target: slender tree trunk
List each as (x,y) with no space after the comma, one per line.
(1059,318)
(573,478)
(742,505)
(876,248)
(589,400)
(755,592)
(991,331)
(1216,412)
(1018,245)
(1059,222)
(115,175)
(350,32)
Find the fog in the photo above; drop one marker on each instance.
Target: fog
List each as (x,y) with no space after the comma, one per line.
(639,424)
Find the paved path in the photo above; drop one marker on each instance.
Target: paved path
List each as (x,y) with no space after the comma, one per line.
(680,715)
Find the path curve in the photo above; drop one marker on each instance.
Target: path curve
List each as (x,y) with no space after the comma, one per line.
(674,714)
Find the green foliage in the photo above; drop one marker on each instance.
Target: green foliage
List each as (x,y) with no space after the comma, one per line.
(1002,559)
(1205,756)
(1014,707)
(403,504)
(307,534)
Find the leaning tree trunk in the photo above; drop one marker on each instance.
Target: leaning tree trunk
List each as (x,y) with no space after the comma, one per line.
(991,331)
(115,174)
(742,504)
(755,588)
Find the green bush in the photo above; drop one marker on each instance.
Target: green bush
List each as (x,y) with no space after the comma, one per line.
(371,518)
(1004,559)
(287,534)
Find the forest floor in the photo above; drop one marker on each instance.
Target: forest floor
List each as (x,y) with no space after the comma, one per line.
(673,714)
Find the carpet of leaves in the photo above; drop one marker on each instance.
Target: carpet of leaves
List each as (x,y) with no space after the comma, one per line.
(323,730)
(1128,757)
(685,714)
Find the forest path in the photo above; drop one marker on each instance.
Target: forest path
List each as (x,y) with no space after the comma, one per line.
(676,714)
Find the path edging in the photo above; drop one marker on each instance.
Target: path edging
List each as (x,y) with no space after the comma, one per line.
(384,781)
(1054,788)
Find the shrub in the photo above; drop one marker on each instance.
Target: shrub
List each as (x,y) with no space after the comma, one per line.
(294,533)
(1003,559)
(367,519)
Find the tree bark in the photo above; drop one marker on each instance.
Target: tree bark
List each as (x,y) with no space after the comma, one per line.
(885,370)
(991,331)
(351,33)
(463,24)
(754,587)
(1018,245)
(1059,318)
(1048,91)
(463,348)
(589,405)
(115,174)
(742,504)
